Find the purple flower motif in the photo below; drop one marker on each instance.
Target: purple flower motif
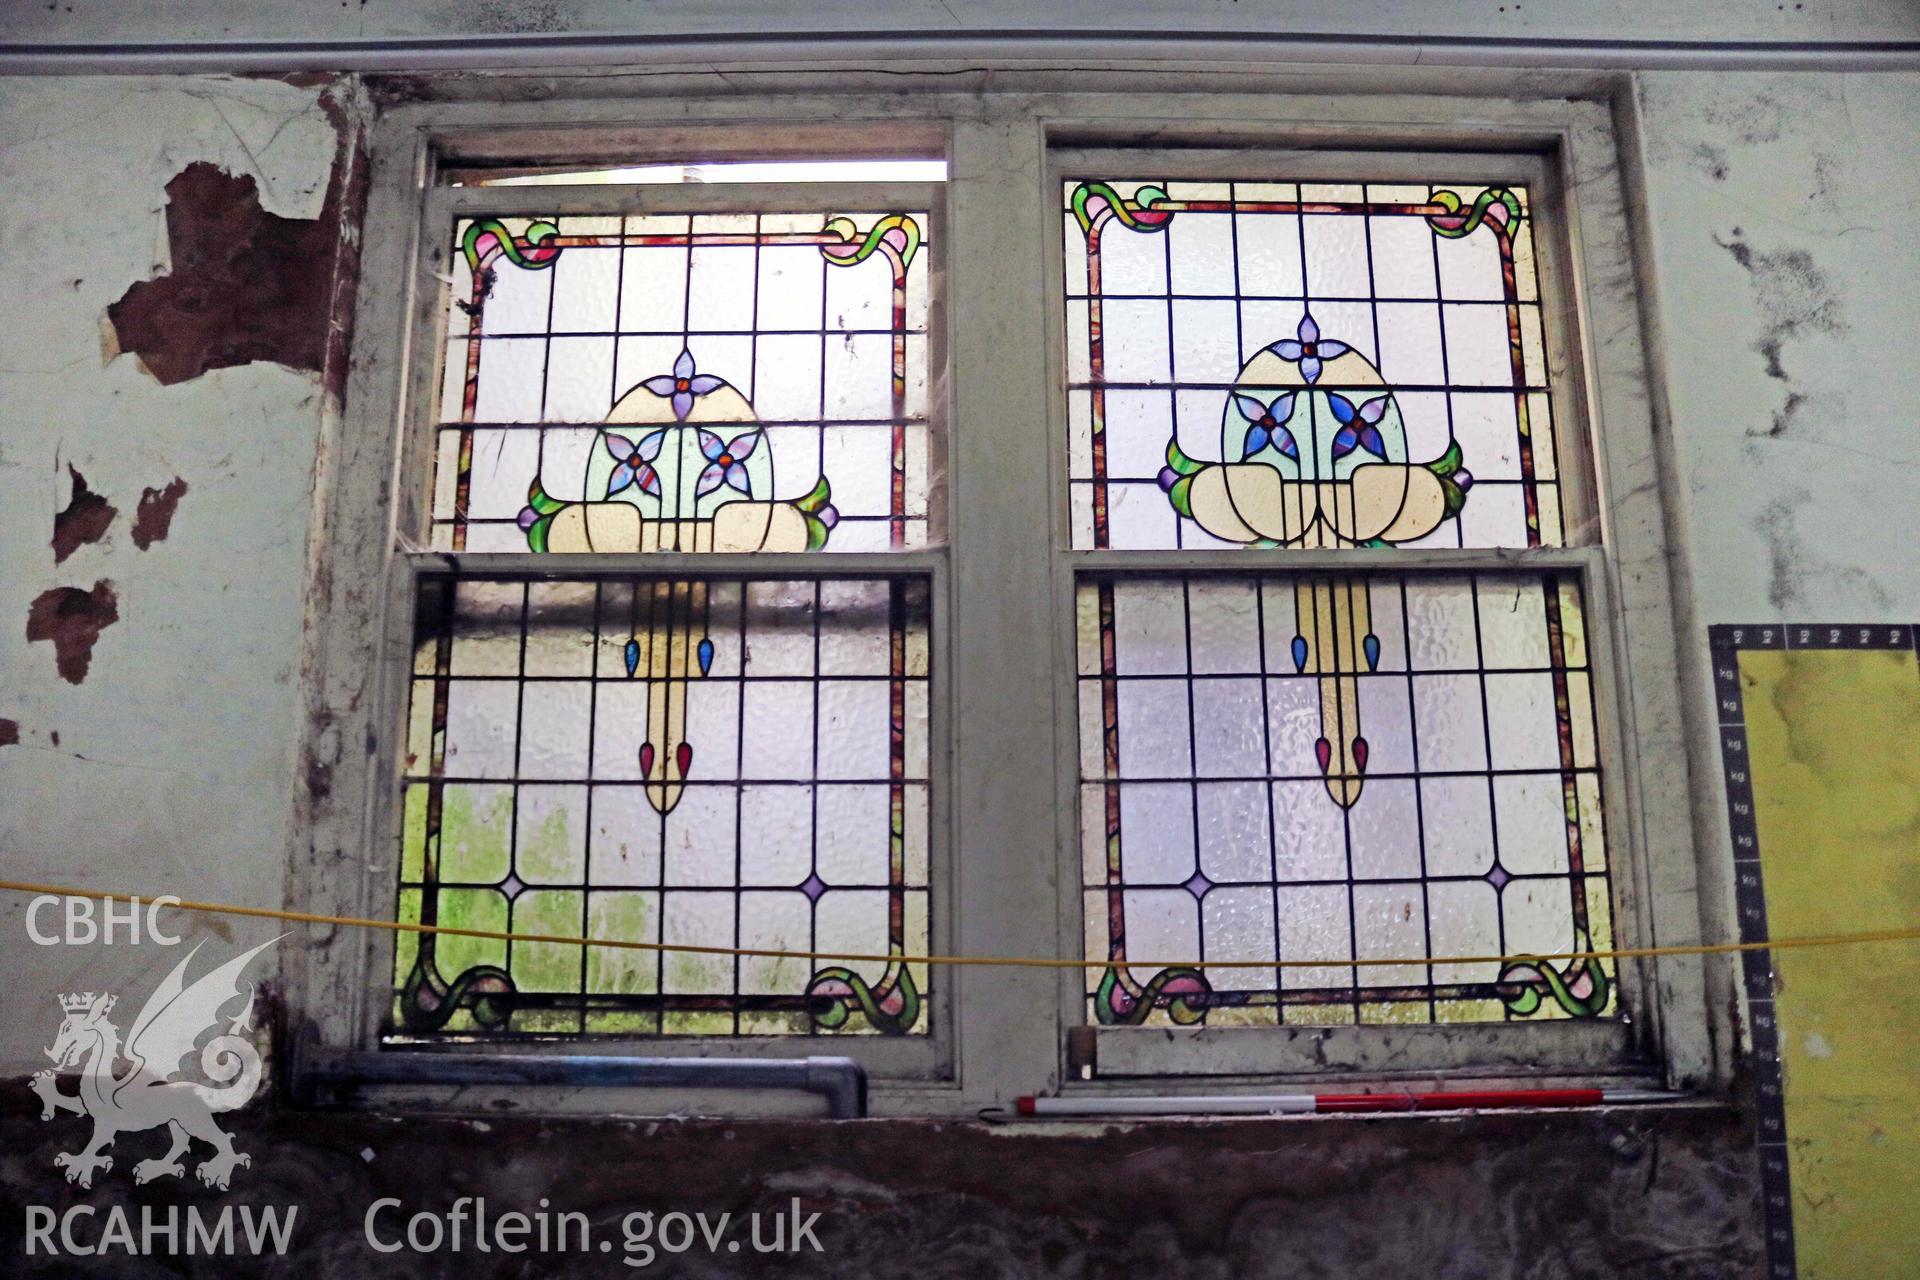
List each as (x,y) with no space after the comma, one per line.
(1358,427)
(725,462)
(1309,350)
(635,462)
(683,385)
(1266,425)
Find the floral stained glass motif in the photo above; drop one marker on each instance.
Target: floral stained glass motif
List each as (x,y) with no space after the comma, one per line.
(714,763)
(1300,365)
(1462,816)
(707,382)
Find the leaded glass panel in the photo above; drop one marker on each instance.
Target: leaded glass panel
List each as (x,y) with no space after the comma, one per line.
(1279,364)
(708,762)
(1287,767)
(685,382)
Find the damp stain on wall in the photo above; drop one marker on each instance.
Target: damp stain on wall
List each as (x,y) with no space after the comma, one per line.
(1796,298)
(71,619)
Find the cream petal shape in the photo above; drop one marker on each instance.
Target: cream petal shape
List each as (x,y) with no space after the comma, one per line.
(759,526)
(595,526)
(1389,501)
(1244,502)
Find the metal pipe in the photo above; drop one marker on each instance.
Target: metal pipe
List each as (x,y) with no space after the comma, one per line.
(323,1075)
(470,52)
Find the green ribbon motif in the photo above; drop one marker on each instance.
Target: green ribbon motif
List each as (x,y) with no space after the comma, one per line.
(1520,984)
(428,1001)
(1475,216)
(1144,201)
(1186,1008)
(831,1009)
(538,233)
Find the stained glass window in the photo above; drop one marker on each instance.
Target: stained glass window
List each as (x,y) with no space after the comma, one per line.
(1293,766)
(1291,364)
(1285,766)
(708,762)
(685,382)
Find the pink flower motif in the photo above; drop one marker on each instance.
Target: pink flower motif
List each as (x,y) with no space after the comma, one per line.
(683,385)
(635,462)
(725,462)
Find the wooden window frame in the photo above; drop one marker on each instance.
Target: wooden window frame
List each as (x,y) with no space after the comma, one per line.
(1005,871)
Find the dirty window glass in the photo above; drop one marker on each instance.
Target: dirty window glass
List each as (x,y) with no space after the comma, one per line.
(1300,767)
(710,763)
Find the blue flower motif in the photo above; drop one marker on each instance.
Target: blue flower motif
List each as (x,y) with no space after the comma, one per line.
(636,462)
(1309,350)
(1358,426)
(683,385)
(725,462)
(1266,425)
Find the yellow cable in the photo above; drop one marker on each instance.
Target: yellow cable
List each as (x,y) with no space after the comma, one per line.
(1008,962)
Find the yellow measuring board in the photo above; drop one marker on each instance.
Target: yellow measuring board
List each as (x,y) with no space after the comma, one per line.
(1832,796)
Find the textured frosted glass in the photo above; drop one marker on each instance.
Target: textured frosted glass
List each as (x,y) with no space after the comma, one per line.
(716,763)
(1295,768)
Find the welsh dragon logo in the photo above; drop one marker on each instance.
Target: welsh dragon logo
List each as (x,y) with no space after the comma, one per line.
(151,1093)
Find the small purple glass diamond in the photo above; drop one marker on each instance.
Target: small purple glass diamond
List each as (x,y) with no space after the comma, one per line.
(1498,877)
(512,886)
(813,886)
(1198,885)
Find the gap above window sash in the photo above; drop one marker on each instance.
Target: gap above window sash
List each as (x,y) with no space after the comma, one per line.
(678,198)
(668,564)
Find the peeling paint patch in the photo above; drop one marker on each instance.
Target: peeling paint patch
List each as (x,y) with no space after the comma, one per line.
(155,516)
(9,733)
(72,619)
(85,519)
(246,284)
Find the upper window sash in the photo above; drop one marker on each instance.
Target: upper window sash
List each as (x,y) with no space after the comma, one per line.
(572,295)
(1199,293)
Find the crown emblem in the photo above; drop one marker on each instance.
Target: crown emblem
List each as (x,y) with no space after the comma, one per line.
(81,1001)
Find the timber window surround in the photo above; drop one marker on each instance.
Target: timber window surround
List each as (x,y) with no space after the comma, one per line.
(1194,554)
